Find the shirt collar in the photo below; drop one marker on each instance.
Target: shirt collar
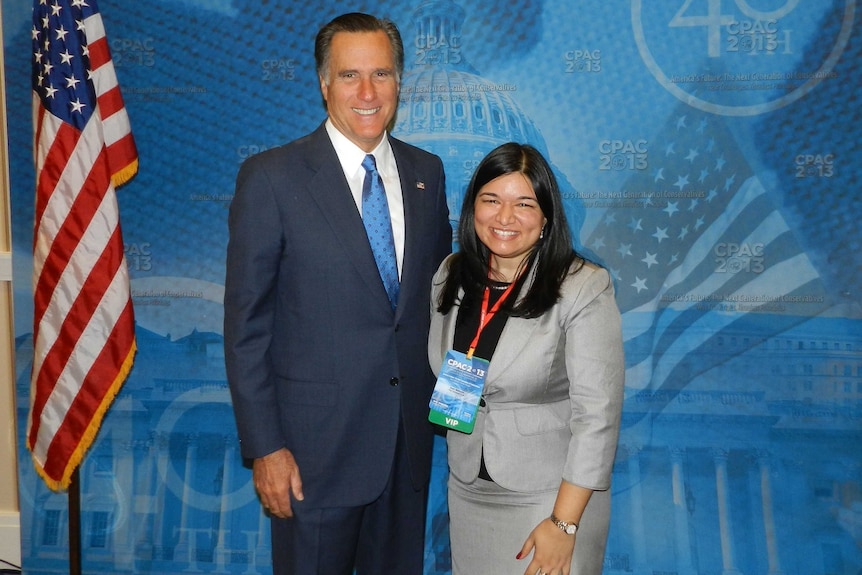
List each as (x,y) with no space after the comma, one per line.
(350,155)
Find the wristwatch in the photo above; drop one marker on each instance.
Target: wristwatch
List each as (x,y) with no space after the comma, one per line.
(565,526)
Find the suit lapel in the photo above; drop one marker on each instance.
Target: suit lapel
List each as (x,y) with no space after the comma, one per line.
(517,334)
(330,191)
(412,193)
(412,212)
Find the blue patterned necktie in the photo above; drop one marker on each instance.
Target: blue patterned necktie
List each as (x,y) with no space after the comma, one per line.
(378,226)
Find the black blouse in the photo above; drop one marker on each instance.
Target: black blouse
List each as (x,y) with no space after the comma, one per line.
(466,325)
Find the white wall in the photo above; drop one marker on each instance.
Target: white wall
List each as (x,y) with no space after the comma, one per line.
(10,532)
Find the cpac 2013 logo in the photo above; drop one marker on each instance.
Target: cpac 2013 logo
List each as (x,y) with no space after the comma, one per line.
(434,47)
(583,61)
(278,69)
(734,258)
(126,52)
(754,44)
(814,165)
(139,256)
(623,155)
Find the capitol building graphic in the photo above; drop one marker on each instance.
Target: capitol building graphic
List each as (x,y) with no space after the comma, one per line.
(751,467)
(448,108)
(723,482)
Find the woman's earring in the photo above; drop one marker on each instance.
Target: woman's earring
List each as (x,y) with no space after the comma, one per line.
(542,233)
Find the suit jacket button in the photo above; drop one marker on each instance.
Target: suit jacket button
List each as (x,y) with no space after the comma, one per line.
(393,382)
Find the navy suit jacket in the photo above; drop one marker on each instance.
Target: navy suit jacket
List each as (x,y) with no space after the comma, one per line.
(317,361)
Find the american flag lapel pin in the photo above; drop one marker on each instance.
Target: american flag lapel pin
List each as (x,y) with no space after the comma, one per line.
(420,185)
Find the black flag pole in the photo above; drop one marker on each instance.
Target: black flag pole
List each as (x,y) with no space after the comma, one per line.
(74,494)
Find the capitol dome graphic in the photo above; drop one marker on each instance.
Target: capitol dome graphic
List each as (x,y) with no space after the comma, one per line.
(447,108)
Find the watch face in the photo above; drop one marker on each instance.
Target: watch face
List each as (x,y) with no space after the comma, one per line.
(568,528)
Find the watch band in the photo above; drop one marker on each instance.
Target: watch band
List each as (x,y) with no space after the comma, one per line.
(569,528)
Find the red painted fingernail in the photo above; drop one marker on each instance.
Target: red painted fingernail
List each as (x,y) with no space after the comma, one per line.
(518,556)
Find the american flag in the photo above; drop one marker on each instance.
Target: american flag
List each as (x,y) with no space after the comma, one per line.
(698,252)
(83,335)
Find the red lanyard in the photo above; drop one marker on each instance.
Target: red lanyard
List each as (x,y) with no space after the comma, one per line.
(487,315)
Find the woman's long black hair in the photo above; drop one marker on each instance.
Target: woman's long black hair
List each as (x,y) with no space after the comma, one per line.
(552,256)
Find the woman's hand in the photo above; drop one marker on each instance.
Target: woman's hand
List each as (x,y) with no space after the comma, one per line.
(552,550)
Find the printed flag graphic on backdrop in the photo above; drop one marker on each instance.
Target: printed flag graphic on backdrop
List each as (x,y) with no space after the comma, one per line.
(83,337)
(698,251)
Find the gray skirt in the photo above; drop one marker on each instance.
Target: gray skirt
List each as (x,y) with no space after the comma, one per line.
(488,526)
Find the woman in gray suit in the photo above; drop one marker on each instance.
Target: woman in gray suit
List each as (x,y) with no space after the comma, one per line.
(527,345)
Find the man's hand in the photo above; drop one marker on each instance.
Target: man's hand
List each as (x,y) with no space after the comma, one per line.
(276,477)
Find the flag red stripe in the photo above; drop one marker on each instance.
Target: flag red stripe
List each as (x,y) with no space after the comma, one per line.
(38,120)
(100,53)
(48,177)
(122,153)
(110,102)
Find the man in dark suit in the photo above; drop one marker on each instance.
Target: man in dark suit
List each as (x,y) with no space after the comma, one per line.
(327,369)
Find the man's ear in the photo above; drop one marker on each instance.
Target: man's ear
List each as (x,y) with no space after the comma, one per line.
(324,89)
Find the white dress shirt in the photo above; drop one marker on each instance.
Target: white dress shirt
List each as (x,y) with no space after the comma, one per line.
(351,156)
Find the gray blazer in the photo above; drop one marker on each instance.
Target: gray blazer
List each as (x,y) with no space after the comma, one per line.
(553,393)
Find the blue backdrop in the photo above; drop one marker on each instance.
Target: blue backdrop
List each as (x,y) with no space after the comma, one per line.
(707,152)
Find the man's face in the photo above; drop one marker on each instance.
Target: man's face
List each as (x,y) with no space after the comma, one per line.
(362,94)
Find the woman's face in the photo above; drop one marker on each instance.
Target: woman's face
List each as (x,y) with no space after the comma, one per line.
(508,220)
